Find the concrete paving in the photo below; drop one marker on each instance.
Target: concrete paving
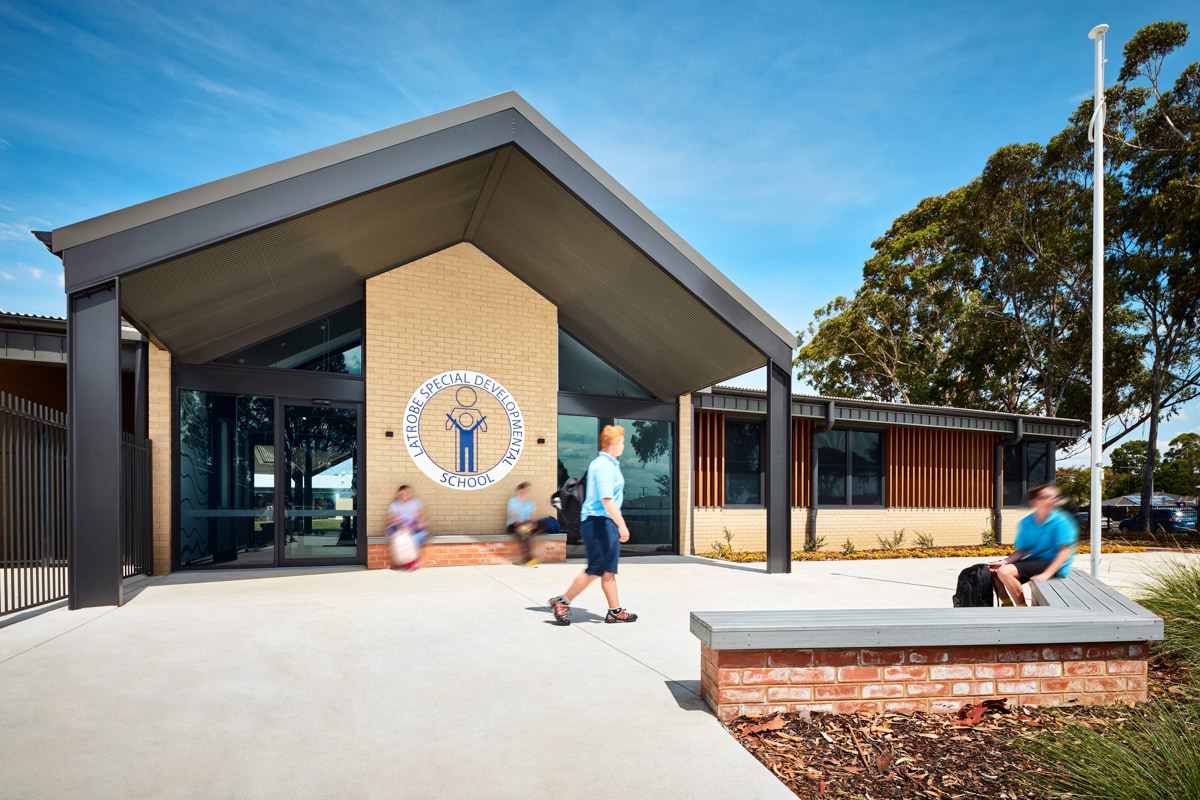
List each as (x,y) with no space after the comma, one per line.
(442,683)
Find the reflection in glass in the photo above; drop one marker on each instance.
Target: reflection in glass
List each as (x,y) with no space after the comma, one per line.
(647,466)
(320,479)
(226,468)
(583,372)
(1014,475)
(332,343)
(743,463)
(866,484)
(831,468)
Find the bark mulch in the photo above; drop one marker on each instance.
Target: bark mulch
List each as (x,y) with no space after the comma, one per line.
(920,755)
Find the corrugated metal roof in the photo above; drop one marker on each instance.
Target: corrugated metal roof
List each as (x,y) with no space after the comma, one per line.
(903,406)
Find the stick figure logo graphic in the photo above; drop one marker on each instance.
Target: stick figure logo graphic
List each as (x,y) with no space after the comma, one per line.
(466,419)
(463,429)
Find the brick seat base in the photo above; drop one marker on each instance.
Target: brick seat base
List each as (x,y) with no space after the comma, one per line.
(937,679)
(457,550)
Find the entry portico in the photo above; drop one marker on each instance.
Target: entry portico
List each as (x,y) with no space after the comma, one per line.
(224,268)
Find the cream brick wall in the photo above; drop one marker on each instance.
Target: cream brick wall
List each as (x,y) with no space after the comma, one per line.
(1009,517)
(159,430)
(948,526)
(684,471)
(458,309)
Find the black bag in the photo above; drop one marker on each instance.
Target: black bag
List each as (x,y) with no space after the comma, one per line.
(974,587)
(570,506)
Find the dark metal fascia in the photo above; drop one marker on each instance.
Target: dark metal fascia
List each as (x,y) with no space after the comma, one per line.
(592,193)
(154,242)
(268,382)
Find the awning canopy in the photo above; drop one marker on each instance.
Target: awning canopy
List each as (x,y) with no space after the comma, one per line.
(212,269)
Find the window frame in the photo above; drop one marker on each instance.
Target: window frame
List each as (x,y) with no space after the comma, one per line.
(849,465)
(762,445)
(1023,448)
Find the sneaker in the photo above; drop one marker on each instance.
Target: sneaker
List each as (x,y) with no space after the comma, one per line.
(533,562)
(620,616)
(562,611)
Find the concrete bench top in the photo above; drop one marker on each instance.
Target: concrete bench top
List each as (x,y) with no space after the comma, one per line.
(1076,609)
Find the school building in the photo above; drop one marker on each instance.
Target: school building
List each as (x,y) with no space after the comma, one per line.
(460,303)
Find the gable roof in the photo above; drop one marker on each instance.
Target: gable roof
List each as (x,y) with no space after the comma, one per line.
(229,262)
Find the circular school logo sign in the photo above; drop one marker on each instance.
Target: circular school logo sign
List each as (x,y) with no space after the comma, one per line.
(463,429)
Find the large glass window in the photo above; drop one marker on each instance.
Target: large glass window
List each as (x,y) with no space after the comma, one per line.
(583,372)
(1026,465)
(743,463)
(647,466)
(332,343)
(850,468)
(226,479)
(320,480)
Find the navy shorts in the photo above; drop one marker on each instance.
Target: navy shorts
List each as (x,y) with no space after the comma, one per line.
(1028,567)
(602,543)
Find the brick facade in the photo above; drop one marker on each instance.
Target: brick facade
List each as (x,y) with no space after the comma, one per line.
(934,679)
(457,309)
(683,471)
(470,553)
(947,526)
(159,431)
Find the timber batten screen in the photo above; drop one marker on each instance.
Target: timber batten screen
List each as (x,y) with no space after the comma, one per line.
(710,459)
(801,442)
(930,468)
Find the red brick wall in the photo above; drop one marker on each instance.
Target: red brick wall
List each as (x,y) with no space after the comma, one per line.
(467,553)
(758,682)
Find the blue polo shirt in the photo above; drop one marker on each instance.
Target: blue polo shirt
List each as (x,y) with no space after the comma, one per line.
(603,480)
(520,510)
(1044,539)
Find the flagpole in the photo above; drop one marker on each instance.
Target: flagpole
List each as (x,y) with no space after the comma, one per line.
(1096,134)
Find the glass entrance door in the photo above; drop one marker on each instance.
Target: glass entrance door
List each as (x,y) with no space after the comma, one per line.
(647,466)
(320,484)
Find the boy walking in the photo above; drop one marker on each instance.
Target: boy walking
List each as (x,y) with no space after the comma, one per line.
(603,529)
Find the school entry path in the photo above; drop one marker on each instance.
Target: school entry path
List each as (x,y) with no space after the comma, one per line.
(444,683)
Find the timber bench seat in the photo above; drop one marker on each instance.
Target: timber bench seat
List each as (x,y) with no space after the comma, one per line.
(1081,642)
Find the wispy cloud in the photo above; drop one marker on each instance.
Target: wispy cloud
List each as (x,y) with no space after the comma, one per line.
(4,143)
(6,276)
(13,232)
(37,273)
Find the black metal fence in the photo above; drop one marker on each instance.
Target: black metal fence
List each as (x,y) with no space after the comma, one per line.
(33,504)
(137,523)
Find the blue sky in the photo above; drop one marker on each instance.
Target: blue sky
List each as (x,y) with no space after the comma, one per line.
(779,139)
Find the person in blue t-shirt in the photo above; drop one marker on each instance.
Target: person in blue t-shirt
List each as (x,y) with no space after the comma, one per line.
(520,520)
(603,529)
(1044,548)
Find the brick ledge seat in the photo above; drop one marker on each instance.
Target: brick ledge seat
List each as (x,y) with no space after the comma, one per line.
(470,549)
(1081,642)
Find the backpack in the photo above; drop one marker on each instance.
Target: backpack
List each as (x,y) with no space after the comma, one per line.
(570,506)
(974,587)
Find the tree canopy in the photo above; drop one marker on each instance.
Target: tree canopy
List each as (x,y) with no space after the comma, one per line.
(981,297)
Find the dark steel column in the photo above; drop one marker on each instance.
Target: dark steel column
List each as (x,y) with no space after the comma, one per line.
(778,478)
(141,392)
(94,439)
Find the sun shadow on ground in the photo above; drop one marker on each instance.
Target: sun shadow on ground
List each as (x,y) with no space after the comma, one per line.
(687,695)
(577,614)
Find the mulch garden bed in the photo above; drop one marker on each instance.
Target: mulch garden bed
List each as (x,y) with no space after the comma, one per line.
(943,756)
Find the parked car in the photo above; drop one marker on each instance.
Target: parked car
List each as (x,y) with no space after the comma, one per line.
(1165,520)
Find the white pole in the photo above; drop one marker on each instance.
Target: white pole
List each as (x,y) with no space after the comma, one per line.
(1096,134)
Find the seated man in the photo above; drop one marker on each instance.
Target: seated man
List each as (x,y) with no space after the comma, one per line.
(521,509)
(1044,547)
